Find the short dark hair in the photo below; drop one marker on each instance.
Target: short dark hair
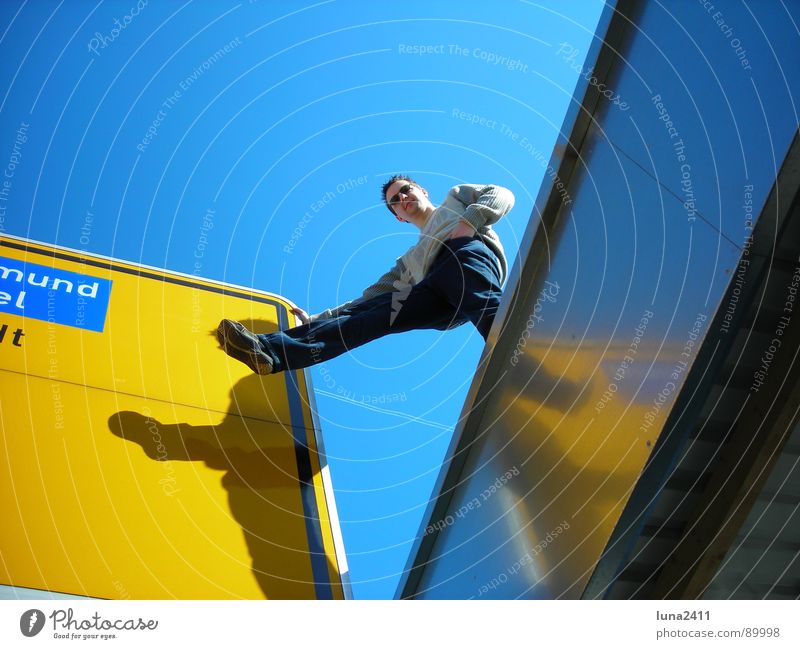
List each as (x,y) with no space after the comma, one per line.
(390,182)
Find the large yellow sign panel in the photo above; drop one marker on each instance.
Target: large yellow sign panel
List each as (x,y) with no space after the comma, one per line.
(138,460)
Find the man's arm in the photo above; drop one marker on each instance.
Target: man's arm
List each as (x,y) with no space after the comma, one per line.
(389,281)
(485,204)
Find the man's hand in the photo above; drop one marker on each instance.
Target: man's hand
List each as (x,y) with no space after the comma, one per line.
(463,229)
(301,314)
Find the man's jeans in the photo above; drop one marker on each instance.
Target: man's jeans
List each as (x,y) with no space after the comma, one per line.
(463,285)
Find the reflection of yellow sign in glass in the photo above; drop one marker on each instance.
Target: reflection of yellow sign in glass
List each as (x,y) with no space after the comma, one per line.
(138,460)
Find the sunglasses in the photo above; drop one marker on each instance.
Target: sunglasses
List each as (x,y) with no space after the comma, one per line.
(394,200)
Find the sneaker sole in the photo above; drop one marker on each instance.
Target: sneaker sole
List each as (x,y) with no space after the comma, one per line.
(239,345)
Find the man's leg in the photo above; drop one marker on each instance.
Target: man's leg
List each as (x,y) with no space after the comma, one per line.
(469,279)
(388,313)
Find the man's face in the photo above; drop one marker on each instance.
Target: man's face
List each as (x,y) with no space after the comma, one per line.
(408,202)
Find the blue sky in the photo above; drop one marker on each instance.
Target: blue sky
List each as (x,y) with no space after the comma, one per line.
(287,135)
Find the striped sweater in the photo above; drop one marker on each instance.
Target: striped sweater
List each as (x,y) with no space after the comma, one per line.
(479,205)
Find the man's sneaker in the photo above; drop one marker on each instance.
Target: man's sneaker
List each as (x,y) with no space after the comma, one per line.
(244,346)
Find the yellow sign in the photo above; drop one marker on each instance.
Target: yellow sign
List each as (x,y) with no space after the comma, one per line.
(138,459)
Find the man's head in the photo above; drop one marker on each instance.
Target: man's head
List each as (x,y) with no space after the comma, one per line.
(406,199)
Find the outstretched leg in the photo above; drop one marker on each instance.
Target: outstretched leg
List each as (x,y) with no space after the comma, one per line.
(421,307)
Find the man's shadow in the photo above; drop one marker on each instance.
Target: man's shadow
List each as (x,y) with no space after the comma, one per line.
(260,478)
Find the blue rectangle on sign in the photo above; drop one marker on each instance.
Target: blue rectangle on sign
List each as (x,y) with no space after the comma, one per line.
(53,295)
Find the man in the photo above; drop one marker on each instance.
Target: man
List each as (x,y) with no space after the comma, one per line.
(452,275)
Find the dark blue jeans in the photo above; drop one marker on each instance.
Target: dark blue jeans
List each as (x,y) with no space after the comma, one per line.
(463,285)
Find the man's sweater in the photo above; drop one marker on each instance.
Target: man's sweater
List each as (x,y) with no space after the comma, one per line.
(479,205)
